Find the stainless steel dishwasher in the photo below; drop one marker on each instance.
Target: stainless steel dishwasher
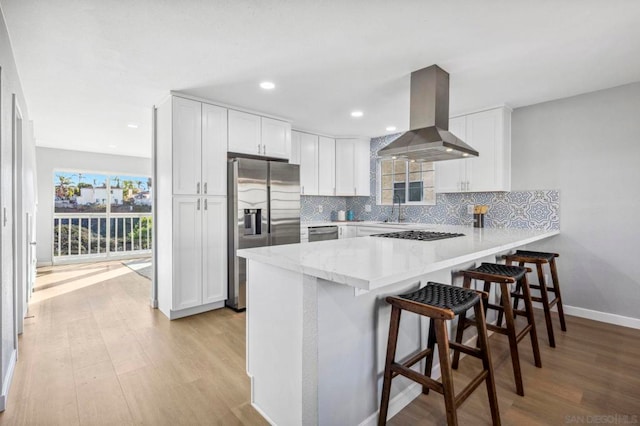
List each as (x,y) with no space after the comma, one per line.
(322,233)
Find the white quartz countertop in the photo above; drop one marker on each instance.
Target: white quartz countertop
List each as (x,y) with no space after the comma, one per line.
(372,262)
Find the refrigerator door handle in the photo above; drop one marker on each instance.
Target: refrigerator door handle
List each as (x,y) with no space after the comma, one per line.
(198,206)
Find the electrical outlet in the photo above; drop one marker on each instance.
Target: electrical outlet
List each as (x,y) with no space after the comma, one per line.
(367,208)
(470,208)
(320,208)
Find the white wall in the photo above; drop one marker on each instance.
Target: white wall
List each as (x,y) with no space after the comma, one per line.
(50,159)
(588,147)
(11,85)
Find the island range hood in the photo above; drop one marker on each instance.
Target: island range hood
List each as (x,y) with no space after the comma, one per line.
(429,138)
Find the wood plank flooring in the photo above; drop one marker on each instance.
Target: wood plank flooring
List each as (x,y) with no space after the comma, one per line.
(94,352)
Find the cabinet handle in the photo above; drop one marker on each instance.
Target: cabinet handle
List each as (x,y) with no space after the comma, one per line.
(198,207)
(302,189)
(259,148)
(198,188)
(264,149)
(205,187)
(334,190)
(354,191)
(206,205)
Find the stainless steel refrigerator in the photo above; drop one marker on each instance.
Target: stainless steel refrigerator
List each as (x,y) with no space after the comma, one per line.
(263,210)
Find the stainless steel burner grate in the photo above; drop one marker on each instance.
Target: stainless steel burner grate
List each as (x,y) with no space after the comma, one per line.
(419,235)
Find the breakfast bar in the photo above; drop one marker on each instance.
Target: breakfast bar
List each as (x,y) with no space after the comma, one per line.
(317,321)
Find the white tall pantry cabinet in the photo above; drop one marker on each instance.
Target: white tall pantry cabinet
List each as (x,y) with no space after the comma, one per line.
(190,150)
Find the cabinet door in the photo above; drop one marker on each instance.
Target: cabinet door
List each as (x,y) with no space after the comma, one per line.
(362,166)
(214,150)
(345,171)
(450,174)
(295,147)
(214,249)
(186,141)
(276,138)
(484,133)
(187,252)
(326,166)
(308,164)
(244,133)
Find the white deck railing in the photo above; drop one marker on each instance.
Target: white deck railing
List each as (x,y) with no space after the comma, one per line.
(96,235)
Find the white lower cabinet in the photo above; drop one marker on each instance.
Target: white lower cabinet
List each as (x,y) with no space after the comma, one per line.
(199,252)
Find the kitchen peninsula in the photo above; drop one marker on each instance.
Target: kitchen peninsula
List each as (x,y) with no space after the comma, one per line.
(317,321)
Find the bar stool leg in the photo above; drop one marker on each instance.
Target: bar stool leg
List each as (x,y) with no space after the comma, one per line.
(483,344)
(556,286)
(526,292)
(511,334)
(431,344)
(461,326)
(446,372)
(545,305)
(394,325)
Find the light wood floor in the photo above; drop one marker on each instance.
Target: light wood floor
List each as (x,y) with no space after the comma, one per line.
(94,352)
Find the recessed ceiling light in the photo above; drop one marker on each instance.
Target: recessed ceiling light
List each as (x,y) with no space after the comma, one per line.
(132,125)
(267,85)
(391,128)
(449,149)
(357,114)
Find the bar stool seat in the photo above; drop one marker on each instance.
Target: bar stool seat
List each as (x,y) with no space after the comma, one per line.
(440,302)
(504,276)
(539,258)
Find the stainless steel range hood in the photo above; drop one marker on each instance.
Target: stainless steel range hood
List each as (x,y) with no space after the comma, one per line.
(429,138)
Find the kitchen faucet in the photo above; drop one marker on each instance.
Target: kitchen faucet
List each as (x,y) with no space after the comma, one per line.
(400,216)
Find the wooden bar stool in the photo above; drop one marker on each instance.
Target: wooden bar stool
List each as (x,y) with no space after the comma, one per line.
(522,257)
(440,302)
(505,276)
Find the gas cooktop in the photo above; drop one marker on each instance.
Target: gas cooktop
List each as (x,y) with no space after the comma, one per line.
(419,235)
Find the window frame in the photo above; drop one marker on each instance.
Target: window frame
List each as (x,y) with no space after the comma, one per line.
(407,183)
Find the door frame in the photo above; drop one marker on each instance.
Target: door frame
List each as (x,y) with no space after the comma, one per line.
(19,290)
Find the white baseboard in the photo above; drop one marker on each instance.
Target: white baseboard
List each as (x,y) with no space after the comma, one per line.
(195,310)
(602,316)
(6,383)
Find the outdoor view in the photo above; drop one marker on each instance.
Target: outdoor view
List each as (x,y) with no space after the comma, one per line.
(99,215)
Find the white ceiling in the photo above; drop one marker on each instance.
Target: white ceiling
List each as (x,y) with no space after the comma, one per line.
(91,67)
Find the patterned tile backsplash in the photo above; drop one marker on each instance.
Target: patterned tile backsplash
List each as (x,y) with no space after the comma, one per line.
(538,209)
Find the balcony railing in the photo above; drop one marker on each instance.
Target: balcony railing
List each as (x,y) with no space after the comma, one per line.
(96,235)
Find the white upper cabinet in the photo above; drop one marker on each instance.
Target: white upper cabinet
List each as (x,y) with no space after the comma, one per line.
(276,138)
(214,150)
(327,166)
(489,132)
(308,163)
(362,167)
(295,147)
(345,170)
(187,141)
(352,167)
(261,136)
(244,133)
(199,145)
